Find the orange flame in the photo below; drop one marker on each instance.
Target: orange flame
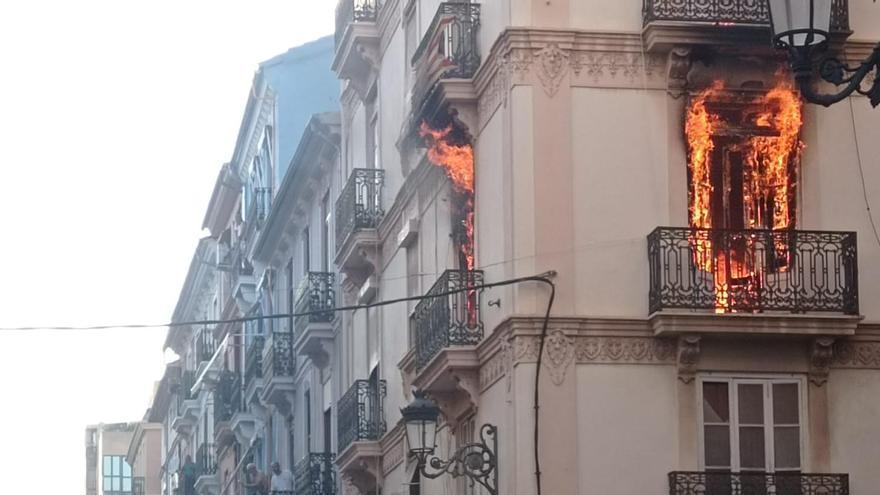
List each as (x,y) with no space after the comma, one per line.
(769,177)
(458,163)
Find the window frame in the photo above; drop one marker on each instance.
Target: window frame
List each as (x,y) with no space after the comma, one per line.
(767,381)
(122,463)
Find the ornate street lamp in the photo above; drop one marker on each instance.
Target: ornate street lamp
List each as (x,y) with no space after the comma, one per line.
(802,28)
(477,461)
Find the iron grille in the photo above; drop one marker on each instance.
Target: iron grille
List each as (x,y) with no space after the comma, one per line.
(753,270)
(457,45)
(359,205)
(360,413)
(724,12)
(138,485)
(205,344)
(723,483)
(205,459)
(450,319)
(316,294)
(237,394)
(282,362)
(262,202)
(184,389)
(314,475)
(348,11)
(224,393)
(254,360)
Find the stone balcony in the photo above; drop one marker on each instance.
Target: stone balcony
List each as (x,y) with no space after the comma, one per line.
(357,42)
(279,366)
(360,426)
(313,332)
(446,330)
(358,214)
(669,23)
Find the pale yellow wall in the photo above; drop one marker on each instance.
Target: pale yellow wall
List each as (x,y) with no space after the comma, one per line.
(627,435)
(864,20)
(610,15)
(853,412)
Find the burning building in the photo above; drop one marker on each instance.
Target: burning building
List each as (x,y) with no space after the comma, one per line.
(743,167)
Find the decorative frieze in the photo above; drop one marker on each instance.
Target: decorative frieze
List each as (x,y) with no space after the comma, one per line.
(856,354)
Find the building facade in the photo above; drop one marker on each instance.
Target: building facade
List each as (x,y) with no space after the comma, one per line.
(145,458)
(713,328)
(107,470)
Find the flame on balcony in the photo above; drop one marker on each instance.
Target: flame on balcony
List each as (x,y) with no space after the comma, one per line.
(457,160)
(758,192)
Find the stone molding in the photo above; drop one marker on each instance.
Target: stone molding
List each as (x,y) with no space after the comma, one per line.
(856,354)
(548,58)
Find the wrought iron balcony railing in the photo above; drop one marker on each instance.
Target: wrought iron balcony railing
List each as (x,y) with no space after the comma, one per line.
(360,413)
(253,368)
(184,389)
(450,44)
(452,319)
(317,293)
(359,206)
(224,397)
(348,11)
(721,483)
(282,362)
(205,459)
(753,270)
(315,475)
(728,12)
(205,344)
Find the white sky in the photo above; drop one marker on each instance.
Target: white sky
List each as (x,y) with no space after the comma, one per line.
(115,116)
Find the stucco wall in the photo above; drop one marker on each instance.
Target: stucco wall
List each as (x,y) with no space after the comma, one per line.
(853,412)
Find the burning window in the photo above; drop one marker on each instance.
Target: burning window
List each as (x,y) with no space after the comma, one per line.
(449,148)
(743,161)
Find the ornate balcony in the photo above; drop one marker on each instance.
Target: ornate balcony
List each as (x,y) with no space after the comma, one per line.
(279,365)
(361,423)
(451,320)
(712,483)
(317,295)
(205,344)
(671,22)
(314,475)
(753,271)
(187,411)
(360,415)
(207,482)
(357,41)
(253,361)
(358,213)
(450,47)
(242,425)
(226,403)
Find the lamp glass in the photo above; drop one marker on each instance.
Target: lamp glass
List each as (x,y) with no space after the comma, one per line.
(421,435)
(800,23)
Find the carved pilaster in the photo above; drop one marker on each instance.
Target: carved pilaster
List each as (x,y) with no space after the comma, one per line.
(688,357)
(821,354)
(678,66)
(558,355)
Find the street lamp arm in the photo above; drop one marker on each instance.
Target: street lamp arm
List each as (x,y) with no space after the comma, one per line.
(478,461)
(836,72)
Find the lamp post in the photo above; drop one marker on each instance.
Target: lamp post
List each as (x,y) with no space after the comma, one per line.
(802,28)
(477,461)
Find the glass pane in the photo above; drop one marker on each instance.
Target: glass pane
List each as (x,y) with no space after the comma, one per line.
(716,407)
(751,447)
(126,469)
(717,440)
(106,483)
(751,404)
(107,463)
(126,484)
(785,404)
(116,483)
(786,442)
